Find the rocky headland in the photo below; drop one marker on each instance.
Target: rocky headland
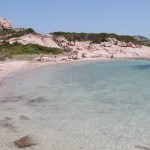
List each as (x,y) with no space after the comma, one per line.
(110,48)
(106,46)
(64,46)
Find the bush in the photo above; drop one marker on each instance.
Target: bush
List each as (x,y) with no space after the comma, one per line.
(67,49)
(4,54)
(9,33)
(19,49)
(95,37)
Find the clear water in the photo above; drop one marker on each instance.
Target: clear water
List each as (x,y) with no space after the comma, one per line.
(81,106)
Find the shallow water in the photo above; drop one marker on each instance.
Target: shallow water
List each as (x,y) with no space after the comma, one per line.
(87,106)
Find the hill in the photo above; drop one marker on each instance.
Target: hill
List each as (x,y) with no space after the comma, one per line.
(18,41)
(143,39)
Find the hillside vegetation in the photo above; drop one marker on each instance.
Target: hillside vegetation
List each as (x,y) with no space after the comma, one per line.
(144,40)
(6,34)
(99,37)
(8,50)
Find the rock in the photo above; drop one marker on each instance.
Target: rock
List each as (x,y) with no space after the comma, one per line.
(119,43)
(112,40)
(115,43)
(106,44)
(142,147)
(129,44)
(1,41)
(5,24)
(23,117)
(43,40)
(61,39)
(24,142)
(79,48)
(133,46)
(64,44)
(124,44)
(72,43)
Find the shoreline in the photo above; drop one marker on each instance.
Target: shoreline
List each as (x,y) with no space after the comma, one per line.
(37,107)
(9,68)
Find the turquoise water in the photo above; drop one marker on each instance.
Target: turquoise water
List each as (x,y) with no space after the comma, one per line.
(87,106)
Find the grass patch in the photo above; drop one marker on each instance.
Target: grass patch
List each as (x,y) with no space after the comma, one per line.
(4,54)
(8,50)
(26,57)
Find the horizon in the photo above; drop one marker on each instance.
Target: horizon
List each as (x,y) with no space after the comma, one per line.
(128,17)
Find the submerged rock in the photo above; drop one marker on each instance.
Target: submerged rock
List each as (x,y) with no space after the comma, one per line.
(23,117)
(26,141)
(142,147)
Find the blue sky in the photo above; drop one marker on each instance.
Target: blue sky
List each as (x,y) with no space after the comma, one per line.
(112,16)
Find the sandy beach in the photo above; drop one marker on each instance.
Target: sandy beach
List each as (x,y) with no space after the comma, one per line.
(74,75)
(8,68)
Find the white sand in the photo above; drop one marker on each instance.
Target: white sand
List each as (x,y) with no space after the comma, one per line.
(8,67)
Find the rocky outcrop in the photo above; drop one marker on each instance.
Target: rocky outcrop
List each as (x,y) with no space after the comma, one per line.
(43,40)
(5,24)
(111,48)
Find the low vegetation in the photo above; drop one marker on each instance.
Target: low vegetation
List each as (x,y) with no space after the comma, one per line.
(6,34)
(9,50)
(97,37)
(144,40)
(4,54)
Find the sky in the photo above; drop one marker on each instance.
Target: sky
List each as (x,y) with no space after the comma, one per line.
(125,17)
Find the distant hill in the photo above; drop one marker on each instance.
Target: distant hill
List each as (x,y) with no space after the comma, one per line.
(140,38)
(143,39)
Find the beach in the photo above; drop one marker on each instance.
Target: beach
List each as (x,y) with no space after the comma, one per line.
(74,75)
(29,98)
(7,68)
(84,105)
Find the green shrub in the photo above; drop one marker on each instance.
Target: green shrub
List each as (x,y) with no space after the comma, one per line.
(67,49)
(8,33)
(4,54)
(95,37)
(18,49)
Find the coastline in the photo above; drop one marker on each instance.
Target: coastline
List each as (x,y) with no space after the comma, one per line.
(27,107)
(9,68)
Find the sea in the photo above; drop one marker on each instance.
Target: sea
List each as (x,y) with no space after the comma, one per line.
(92,105)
